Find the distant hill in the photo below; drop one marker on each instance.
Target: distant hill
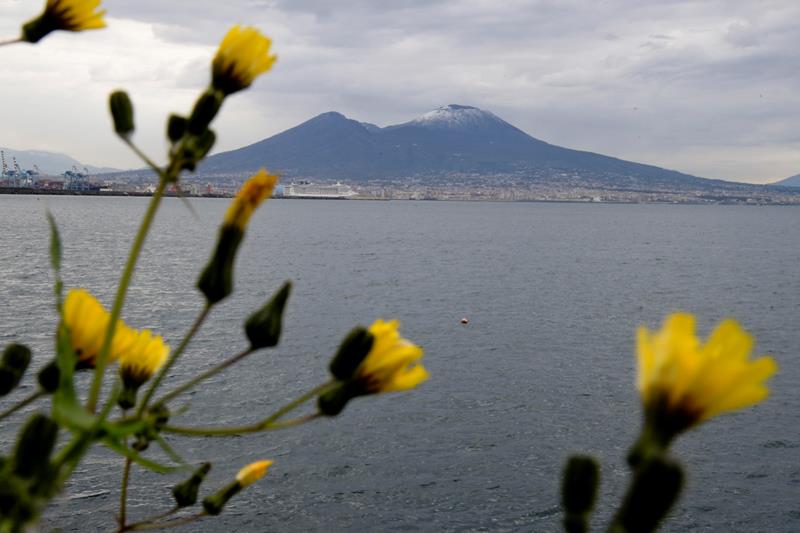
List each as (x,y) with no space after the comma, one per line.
(450,139)
(792,181)
(49,162)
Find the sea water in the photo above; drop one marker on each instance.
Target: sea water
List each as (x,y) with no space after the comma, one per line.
(544,368)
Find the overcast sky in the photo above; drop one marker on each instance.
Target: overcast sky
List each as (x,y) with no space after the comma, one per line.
(707,87)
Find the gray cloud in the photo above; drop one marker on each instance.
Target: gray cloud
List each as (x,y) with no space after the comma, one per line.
(703,86)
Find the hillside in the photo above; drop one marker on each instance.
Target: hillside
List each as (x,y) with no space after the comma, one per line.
(791,181)
(50,163)
(452,139)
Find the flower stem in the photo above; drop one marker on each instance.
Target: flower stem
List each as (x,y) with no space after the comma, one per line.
(292,422)
(164,525)
(150,520)
(173,358)
(30,399)
(205,375)
(122,290)
(142,156)
(11,40)
(271,422)
(123,493)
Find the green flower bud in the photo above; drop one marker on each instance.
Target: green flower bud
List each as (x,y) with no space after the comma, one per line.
(332,402)
(34,30)
(213,504)
(205,109)
(46,483)
(49,376)
(578,492)
(203,143)
(13,365)
(157,417)
(127,396)
(34,446)
(656,485)
(122,113)
(14,500)
(196,148)
(216,280)
(263,328)
(159,414)
(176,127)
(185,493)
(354,348)
(141,443)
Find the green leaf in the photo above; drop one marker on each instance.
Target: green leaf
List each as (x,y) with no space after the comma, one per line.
(175,456)
(73,416)
(66,408)
(124,428)
(55,258)
(131,454)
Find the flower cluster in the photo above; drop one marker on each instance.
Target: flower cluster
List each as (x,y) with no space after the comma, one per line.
(140,353)
(87,321)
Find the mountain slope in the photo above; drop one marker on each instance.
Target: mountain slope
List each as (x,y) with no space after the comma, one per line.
(791,181)
(49,162)
(450,139)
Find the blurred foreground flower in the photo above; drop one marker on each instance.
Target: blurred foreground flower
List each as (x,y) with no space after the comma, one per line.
(392,363)
(87,320)
(253,472)
(242,56)
(373,361)
(144,356)
(684,382)
(216,280)
(253,192)
(247,476)
(68,15)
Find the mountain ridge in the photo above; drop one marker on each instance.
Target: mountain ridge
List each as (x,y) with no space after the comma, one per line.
(791,181)
(451,139)
(52,163)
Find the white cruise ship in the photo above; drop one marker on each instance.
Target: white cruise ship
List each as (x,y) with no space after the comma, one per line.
(306,189)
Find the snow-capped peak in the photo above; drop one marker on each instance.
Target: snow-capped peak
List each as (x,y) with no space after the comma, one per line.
(456,117)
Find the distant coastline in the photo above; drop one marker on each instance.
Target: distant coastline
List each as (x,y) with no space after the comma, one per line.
(171,194)
(67,192)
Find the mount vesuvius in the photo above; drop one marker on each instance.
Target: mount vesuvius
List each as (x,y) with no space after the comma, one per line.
(448,140)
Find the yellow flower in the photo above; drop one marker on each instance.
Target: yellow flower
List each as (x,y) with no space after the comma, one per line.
(69,15)
(392,363)
(242,55)
(145,355)
(250,196)
(252,473)
(684,382)
(87,320)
